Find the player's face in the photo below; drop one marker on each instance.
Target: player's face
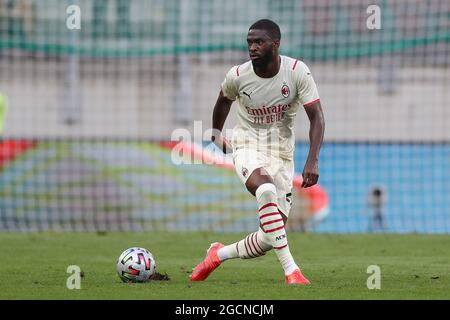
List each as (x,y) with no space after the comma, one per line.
(261,47)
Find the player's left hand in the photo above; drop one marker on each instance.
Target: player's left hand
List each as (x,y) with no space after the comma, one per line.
(310,174)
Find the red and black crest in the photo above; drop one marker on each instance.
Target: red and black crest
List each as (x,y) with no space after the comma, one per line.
(285,91)
(244,172)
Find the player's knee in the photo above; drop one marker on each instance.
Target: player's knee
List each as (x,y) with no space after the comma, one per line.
(257,178)
(266,189)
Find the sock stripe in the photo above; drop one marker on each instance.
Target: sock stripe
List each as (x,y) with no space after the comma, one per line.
(247,239)
(245,246)
(260,252)
(273,221)
(268,215)
(270,204)
(275,229)
(246,249)
(279,248)
(249,244)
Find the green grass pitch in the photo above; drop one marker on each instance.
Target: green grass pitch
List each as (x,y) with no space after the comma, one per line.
(33,266)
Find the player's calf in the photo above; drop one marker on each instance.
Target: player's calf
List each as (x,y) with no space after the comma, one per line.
(252,246)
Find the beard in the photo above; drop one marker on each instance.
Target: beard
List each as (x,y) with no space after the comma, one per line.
(263,59)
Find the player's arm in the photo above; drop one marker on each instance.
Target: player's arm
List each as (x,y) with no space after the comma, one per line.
(220,114)
(316,132)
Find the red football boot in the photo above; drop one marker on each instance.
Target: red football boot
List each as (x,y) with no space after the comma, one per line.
(297,277)
(209,264)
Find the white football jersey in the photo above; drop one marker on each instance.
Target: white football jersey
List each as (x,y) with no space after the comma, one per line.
(267,106)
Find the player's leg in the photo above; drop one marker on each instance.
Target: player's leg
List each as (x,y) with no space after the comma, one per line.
(249,167)
(272,223)
(243,248)
(253,245)
(262,186)
(283,179)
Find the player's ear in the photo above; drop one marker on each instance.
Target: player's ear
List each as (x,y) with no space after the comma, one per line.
(276,43)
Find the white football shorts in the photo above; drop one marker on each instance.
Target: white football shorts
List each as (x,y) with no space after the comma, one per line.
(281,170)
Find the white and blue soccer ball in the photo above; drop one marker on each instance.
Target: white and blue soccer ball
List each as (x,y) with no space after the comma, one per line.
(136,265)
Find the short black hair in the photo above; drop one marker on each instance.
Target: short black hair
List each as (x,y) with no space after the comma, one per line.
(269,26)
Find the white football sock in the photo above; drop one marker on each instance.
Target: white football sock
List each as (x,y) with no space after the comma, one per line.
(228,252)
(252,246)
(273,225)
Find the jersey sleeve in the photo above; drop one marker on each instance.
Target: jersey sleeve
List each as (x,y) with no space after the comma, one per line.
(306,86)
(229,87)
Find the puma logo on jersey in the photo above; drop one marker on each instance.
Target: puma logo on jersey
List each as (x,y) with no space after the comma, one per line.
(247,94)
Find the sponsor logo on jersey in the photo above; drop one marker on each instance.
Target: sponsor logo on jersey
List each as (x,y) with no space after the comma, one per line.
(268,115)
(262,111)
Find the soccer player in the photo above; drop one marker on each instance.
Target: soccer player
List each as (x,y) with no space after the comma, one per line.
(269,89)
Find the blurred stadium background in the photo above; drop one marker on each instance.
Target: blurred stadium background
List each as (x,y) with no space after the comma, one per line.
(86,143)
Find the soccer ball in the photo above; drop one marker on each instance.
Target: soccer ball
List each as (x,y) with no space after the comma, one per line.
(136,265)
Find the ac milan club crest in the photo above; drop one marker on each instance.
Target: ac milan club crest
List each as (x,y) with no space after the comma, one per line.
(285,91)
(244,172)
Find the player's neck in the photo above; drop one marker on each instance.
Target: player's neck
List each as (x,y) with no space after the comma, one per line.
(269,70)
